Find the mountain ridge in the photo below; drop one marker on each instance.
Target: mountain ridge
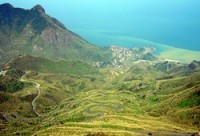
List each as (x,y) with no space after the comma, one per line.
(34,32)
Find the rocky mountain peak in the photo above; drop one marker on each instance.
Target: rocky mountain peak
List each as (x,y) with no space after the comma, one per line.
(39,8)
(6,6)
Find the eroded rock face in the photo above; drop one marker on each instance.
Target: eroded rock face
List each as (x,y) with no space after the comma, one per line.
(38,8)
(56,38)
(50,35)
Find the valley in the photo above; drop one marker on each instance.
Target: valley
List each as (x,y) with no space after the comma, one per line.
(53,82)
(116,101)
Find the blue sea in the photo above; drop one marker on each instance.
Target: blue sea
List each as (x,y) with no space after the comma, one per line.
(181,32)
(174,23)
(133,39)
(127,22)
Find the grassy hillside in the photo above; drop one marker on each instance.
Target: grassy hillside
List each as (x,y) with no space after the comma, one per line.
(55,90)
(39,64)
(108,111)
(115,102)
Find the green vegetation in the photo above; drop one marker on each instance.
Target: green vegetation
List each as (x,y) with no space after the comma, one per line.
(192,101)
(39,64)
(11,82)
(110,102)
(55,90)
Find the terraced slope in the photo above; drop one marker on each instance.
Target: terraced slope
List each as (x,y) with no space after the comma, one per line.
(108,111)
(147,98)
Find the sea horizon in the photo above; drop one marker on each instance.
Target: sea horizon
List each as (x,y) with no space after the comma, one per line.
(102,37)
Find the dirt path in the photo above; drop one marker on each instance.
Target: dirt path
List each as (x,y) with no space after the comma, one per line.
(14,115)
(33,102)
(38,95)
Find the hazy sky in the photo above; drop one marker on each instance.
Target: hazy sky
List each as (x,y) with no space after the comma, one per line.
(174,22)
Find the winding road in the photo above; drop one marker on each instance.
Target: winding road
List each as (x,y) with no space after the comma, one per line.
(33,102)
(15,115)
(38,95)
(94,111)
